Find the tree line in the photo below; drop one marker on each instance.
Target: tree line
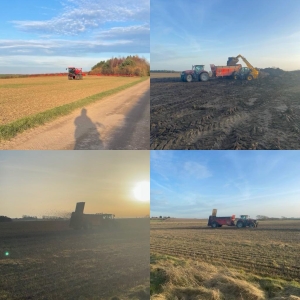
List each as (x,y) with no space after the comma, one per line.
(131,65)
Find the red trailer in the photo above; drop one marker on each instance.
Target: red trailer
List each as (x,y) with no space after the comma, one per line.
(224,71)
(215,221)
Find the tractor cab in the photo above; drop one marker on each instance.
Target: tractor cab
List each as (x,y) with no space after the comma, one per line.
(244,70)
(198,68)
(71,70)
(245,217)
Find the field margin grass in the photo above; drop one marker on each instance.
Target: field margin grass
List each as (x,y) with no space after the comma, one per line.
(10,130)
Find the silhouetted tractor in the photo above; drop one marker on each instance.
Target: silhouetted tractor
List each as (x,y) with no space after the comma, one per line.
(79,220)
(74,73)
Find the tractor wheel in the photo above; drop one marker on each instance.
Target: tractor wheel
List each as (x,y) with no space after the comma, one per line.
(189,78)
(251,225)
(204,76)
(214,225)
(235,76)
(249,77)
(239,225)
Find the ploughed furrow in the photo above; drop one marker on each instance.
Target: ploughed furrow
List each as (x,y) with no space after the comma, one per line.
(226,114)
(257,268)
(252,254)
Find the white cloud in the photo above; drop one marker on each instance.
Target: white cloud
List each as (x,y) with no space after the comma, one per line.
(81,15)
(196,170)
(70,47)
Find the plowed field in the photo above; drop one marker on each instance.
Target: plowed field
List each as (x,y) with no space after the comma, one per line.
(226,114)
(47,260)
(272,249)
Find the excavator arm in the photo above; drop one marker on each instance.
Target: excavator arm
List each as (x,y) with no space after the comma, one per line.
(254,72)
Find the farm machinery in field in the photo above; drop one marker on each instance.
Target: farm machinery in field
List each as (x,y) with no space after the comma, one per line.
(243,221)
(74,73)
(248,72)
(196,74)
(79,220)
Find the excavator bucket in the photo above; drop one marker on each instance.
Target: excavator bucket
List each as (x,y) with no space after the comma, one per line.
(232,61)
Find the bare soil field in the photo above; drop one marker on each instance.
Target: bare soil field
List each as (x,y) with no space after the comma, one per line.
(226,114)
(164,75)
(190,260)
(48,260)
(22,97)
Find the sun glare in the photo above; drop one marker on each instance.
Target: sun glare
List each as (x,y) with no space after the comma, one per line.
(142,191)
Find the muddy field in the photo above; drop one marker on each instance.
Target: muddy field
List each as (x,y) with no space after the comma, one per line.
(226,114)
(22,97)
(47,260)
(272,249)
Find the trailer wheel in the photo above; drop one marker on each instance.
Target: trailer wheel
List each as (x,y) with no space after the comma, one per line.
(239,225)
(189,78)
(214,225)
(204,76)
(235,76)
(251,225)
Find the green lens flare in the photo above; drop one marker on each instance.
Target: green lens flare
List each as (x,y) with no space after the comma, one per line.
(6,253)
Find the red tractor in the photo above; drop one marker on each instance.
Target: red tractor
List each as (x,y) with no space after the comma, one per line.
(196,74)
(74,73)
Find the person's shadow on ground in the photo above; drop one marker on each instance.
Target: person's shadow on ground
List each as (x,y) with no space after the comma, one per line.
(87,136)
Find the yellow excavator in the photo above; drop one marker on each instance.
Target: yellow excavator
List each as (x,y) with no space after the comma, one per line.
(248,72)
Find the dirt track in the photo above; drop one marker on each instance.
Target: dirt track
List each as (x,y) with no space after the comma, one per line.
(117,122)
(226,114)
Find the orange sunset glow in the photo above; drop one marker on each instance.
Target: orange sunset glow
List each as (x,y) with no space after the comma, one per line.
(38,183)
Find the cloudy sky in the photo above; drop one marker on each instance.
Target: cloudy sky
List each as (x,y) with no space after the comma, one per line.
(47,36)
(51,182)
(189,184)
(185,33)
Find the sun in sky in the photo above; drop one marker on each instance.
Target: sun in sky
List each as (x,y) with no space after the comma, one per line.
(141,191)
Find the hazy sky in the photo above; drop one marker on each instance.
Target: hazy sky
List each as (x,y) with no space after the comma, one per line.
(185,33)
(190,184)
(47,36)
(51,182)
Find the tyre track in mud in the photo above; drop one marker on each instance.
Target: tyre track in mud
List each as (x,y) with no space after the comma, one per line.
(226,114)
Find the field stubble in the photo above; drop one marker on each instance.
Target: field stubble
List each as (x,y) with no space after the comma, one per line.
(272,249)
(22,97)
(50,261)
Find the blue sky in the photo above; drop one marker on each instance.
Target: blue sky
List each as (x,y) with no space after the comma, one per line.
(189,184)
(47,36)
(185,33)
(51,182)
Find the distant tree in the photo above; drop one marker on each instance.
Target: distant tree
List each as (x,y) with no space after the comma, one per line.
(5,219)
(160,217)
(261,217)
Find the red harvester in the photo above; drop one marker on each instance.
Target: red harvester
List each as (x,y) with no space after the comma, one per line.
(74,73)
